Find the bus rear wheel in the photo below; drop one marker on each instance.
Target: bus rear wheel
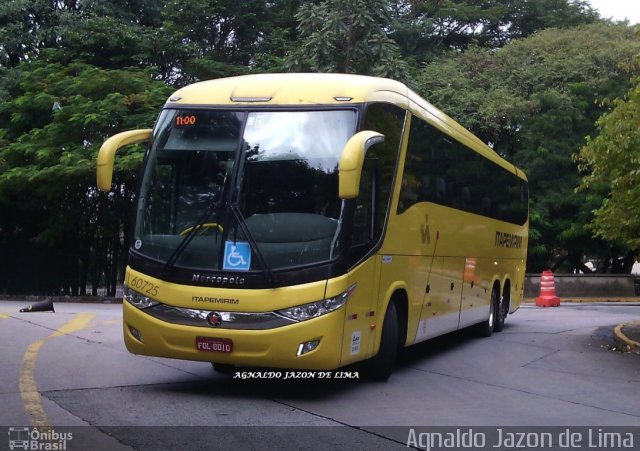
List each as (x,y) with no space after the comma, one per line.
(486,327)
(501,314)
(381,366)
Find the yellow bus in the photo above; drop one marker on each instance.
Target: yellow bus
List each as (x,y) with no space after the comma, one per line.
(311,221)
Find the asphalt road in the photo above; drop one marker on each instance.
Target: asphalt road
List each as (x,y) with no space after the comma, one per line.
(553,367)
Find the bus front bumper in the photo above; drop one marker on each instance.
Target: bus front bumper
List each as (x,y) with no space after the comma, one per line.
(275,348)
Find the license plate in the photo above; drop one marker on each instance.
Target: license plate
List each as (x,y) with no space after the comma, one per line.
(214,344)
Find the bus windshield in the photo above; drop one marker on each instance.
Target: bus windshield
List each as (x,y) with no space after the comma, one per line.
(237,190)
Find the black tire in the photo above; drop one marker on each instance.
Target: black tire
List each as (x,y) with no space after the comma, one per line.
(223,368)
(381,366)
(501,314)
(485,328)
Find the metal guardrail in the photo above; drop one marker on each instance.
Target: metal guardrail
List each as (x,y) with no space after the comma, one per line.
(587,285)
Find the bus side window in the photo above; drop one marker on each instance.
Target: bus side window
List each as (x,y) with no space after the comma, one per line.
(362,231)
(389,120)
(376,181)
(444,171)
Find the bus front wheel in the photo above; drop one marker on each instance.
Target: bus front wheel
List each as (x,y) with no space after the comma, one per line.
(223,368)
(381,366)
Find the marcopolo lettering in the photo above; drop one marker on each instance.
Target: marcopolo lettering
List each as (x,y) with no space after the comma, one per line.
(217,280)
(508,240)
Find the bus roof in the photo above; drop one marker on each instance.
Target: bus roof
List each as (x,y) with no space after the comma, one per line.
(286,89)
(325,89)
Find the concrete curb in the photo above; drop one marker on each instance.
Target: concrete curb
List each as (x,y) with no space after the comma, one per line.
(585,300)
(63,299)
(624,340)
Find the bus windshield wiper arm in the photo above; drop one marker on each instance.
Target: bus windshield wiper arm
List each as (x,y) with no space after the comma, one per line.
(192,232)
(252,241)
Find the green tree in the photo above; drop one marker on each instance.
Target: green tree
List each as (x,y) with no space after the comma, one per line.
(425,30)
(26,26)
(534,101)
(50,130)
(204,39)
(279,38)
(348,36)
(611,161)
(106,33)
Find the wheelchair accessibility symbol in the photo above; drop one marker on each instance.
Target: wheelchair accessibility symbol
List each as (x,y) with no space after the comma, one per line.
(237,256)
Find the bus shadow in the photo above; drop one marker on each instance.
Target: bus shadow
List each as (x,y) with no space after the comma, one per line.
(421,352)
(310,385)
(433,347)
(277,383)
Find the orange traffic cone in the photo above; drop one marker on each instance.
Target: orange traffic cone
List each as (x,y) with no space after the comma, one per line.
(547,296)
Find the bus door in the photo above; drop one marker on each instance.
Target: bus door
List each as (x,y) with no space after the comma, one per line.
(361,312)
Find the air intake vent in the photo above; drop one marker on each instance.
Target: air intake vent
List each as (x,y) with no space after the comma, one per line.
(250,99)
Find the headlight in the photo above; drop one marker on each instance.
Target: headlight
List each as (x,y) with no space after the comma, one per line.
(137,299)
(318,308)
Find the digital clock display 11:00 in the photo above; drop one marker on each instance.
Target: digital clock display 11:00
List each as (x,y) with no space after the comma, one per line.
(182,121)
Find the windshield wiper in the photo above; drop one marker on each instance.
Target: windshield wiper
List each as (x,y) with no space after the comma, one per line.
(192,232)
(252,241)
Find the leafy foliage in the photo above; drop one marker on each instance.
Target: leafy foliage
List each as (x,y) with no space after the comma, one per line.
(60,115)
(612,160)
(425,30)
(534,101)
(203,39)
(74,72)
(54,123)
(347,36)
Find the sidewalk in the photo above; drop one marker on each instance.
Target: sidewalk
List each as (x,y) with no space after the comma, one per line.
(586,299)
(628,336)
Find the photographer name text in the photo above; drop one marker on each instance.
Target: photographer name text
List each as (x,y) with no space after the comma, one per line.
(594,438)
(284,375)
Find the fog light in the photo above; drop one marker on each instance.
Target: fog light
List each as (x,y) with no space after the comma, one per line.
(136,333)
(307,347)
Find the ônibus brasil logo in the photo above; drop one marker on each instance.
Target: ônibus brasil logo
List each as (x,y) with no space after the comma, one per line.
(40,439)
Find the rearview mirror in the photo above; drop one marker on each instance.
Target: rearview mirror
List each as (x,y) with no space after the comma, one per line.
(351,161)
(106,156)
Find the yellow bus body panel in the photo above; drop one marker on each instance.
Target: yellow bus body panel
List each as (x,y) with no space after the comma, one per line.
(449,262)
(346,335)
(272,347)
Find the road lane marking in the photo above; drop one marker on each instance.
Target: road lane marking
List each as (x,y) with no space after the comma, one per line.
(28,388)
(4,315)
(81,321)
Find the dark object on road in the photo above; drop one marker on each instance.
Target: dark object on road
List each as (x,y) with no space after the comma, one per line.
(41,306)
